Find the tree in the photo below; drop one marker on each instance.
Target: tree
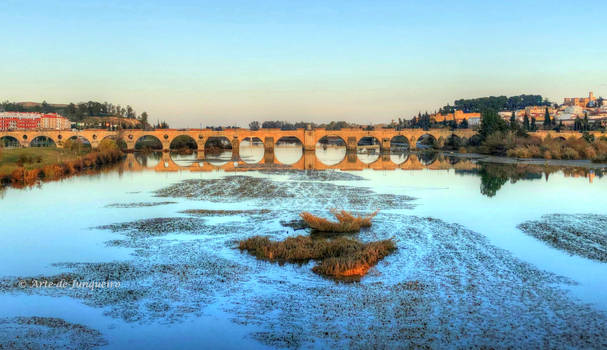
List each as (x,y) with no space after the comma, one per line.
(144,119)
(577,125)
(533,125)
(254,125)
(547,122)
(585,122)
(491,122)
(513,125)
(526,125)
(464,124)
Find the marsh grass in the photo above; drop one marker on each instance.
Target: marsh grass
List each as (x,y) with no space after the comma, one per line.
(346,222)
(340,258)
(50,164)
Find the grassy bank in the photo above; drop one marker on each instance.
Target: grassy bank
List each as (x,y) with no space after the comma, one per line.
(33,158)
(27,166)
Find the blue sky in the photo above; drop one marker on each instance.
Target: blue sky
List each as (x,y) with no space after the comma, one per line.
(230,62)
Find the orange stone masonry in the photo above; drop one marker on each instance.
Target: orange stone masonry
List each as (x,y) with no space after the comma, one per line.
(308,138)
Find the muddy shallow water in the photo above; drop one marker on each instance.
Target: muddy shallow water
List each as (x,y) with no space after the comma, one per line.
(464,273)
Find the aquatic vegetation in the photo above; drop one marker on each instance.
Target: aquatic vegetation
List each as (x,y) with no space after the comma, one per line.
(578,234)
(296,195)
(445,286)
(340,257)
(346,222)
(213,212)
(51,332)
(138,205)
(156,226)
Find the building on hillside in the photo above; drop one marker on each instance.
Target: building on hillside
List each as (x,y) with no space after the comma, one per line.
(580,101)
(568,115)
(458,116)
(54,121)
(538,112)
(19,121)
(32,120)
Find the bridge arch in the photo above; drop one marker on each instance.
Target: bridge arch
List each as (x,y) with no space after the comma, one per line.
(331,150)
(119,141)
(218,150)
(368,149)
(147,143)
(184,143)
(77,143)
(426,141)
(399,143)
(9,141)
(288,150)
(43,141)
(251,150)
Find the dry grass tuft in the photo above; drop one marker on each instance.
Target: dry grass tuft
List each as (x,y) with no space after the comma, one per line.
(346,222)
(339,258)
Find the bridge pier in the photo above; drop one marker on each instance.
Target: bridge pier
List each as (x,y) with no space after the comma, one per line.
(200,145)
(268,145)
(385,145)
(351,144)
(309,141)
(235,148)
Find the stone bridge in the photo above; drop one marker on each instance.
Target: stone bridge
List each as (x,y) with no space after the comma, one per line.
(308,138)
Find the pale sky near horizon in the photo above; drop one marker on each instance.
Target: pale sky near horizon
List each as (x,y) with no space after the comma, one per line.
(195,63)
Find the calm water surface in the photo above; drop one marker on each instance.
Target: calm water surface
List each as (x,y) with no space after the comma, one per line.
(53,223)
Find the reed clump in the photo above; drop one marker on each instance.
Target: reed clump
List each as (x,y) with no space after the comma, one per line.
(346,222)
(338,258)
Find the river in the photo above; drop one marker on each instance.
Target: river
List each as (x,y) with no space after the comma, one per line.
(464,273)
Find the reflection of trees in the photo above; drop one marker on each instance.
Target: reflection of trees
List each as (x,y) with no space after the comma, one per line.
(494,176)
(427,157)
(491,182)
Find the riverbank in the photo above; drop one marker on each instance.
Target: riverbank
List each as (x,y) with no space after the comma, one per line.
(28,166)
(484,158)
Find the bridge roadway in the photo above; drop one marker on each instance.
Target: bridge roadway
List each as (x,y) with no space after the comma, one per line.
(308,138)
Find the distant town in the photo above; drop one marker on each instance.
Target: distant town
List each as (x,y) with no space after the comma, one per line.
(531,112)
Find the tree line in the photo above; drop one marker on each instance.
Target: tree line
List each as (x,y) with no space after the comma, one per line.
(79,111)
(496,103)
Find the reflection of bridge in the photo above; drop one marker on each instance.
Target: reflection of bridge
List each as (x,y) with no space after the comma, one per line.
(308,138)
(308,161)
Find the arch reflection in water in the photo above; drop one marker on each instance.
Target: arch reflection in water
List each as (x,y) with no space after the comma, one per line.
(148,159)
(427,157)
(288,150)
(330,150)
(184,159)
(218,150)
(368,149)
(251,150)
